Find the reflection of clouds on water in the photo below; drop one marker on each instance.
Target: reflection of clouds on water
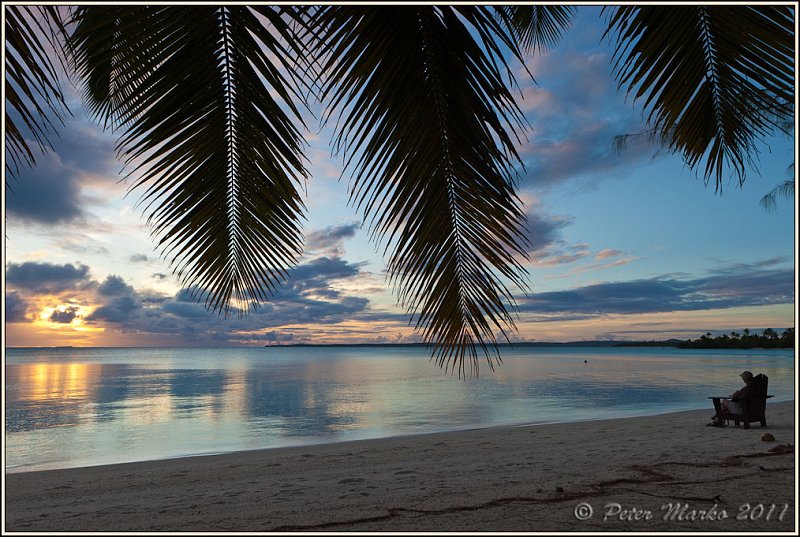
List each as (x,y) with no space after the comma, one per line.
(157,403)
(303,408)
(197,391)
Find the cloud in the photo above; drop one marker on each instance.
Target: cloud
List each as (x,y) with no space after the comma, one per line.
(16,308)
(138,258)
(45,194)
(751,287)
(275,336)
(544,229)
(315,276)
(535,98)
(576,111)
(738,268)
(549,249)
(64,316)
(119,301)
(317,295)
(185,309)
(583,150)
(329,241)
(80,244)
(159,276)
(50,193)
(603,265)
(722,289)
(308,297)
(607,253)
(114,286)
(149,297)
(570,254)
(46,277)
(117,310)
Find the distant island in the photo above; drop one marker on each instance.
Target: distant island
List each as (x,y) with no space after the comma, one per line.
(769,339)
(518,344)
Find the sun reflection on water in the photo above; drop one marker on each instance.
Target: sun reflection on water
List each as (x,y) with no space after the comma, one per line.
(57,381)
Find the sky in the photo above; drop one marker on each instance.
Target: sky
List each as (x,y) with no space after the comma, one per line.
(626,246)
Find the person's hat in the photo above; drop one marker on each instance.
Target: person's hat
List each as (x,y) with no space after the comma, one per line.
(747,375)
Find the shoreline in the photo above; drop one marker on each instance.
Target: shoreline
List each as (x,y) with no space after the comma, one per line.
(527,477)
(19,470)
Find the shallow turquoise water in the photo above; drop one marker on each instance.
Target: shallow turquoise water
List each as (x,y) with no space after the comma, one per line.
(81,407)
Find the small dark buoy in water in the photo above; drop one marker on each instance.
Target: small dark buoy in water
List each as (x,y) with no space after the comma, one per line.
(586,361)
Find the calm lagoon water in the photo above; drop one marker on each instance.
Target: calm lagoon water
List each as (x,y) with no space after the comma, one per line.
(83,407)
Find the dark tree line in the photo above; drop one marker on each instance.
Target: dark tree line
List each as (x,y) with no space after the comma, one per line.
(769,339)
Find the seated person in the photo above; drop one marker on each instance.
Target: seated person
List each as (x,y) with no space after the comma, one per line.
(726,407)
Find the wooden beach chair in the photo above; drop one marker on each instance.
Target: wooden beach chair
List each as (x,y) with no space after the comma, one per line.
(753,406)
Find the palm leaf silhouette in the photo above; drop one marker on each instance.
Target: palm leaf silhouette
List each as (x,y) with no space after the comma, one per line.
(434,181)
(211,129)
(712,78)
(537,27)
(785,189)
(35,103)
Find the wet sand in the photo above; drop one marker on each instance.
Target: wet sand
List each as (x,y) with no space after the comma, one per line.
(656,473)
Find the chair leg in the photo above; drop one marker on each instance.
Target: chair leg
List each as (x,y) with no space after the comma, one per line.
(764,422)
(746,424)
(736,422)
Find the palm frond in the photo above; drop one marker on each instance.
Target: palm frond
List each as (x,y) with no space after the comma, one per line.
(429,127)
(715,77)
(537,27)
(785,190)
(646,138)
(35,104)
(208,122)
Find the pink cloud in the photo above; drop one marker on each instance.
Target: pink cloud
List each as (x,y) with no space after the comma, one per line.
(605,254)
(534,98)
(553,260)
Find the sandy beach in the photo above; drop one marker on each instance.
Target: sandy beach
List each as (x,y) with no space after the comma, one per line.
(658,473)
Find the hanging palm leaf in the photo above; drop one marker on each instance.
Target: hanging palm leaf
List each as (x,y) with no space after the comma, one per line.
(429,127)
(209,126)
(713,78)
(35,103)
(537,27)
(785,189)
